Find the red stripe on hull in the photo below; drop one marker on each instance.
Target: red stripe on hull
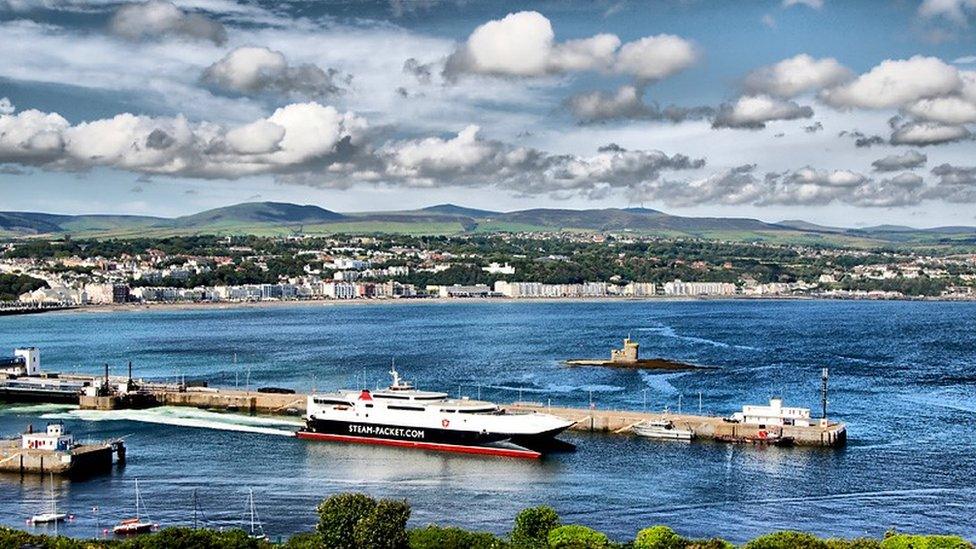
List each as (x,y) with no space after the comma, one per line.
(478,450)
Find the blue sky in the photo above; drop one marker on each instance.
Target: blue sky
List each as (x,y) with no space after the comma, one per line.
(846,113)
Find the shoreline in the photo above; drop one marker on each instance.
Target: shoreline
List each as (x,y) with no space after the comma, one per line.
(237,305)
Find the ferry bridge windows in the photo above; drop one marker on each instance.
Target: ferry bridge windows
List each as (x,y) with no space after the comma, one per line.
(332,401)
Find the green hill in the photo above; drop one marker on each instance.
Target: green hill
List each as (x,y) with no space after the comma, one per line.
(280,218)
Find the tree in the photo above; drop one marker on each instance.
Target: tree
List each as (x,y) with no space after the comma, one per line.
(338,517)
(436,537)
(787,540)
(385,527)
(574,536)
(658,537)
(532,526)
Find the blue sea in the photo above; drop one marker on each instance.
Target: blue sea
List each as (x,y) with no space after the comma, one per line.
(903,378)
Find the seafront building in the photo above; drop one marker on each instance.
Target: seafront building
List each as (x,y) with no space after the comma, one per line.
(679,288)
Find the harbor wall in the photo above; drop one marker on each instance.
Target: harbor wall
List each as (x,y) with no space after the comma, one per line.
(80,461)
(706,427)
(827,434)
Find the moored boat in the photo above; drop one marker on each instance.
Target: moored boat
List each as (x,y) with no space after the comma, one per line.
(257,529)
(404,416)
(135,525)
(663,429)
(52,516)
(48,518)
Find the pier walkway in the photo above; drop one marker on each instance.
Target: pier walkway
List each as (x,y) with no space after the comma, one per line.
(825,433)
(829,433)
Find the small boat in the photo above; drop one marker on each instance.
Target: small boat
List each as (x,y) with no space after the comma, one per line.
(52,516)
(48,518)
(257,529)
(663,429)
(771,438)
(135,525)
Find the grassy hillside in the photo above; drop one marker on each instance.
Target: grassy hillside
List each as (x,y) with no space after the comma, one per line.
(277,219)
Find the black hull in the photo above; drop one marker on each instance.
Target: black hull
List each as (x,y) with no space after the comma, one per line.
(542,442)
(398,432)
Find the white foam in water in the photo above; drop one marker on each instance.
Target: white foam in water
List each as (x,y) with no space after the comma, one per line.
(36,408)
(660,382)
(668,331)
(187,417)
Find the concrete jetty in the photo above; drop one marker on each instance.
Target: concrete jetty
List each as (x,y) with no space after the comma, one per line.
(23,380)
(54,451)
(823,433)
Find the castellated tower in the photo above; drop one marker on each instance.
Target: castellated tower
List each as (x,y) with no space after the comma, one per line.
(626,355)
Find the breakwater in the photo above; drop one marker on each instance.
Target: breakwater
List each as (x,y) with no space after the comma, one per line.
(825,433)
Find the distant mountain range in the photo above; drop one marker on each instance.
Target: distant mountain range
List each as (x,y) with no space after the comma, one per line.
(277,218)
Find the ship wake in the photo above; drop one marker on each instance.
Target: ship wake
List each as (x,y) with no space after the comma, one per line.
(188,417)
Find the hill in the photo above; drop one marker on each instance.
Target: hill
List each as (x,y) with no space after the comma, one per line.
(260,212)
(279,218)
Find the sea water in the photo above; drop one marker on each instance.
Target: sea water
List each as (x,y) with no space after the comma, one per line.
(903,378)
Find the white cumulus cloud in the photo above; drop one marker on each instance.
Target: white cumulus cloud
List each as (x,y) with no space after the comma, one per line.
(928,133)
(895,83)
(523,44)
(293,137)
(755,111)
(157,18)
(252,69)
(799,74)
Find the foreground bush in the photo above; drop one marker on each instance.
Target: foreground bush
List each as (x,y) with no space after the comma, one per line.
(338,516)
(787,540)
(385,527)
(659,537)
(532,527)
(909,541)
(574,536)
(436,537)
(168,538)
(357,521)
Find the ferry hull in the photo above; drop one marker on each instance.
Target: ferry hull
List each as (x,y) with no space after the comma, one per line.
(498,451)
(456,440)
(405,433)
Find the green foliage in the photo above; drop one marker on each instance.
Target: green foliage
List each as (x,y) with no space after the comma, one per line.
(179,538)
(11,286)
(338,517)
(787,540)
(714,543)
(305,540)
(658,537)
(532,526)
(385,527)
(909,541)
(856,543)
(168,538)
(357,521)
(436,537)
(574,536)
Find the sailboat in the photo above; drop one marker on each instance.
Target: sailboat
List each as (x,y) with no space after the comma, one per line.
(257,529)
(52,516)
(135,525)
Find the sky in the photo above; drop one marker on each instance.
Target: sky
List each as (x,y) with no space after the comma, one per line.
(846,113)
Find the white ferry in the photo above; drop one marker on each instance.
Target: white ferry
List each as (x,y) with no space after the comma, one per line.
(404,416)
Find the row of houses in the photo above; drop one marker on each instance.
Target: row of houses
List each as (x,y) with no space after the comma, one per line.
(312,287)
(603,289)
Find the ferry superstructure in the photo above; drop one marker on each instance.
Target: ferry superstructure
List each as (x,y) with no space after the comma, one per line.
(402,415)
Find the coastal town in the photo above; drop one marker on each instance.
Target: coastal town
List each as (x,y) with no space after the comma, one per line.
(212,269)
